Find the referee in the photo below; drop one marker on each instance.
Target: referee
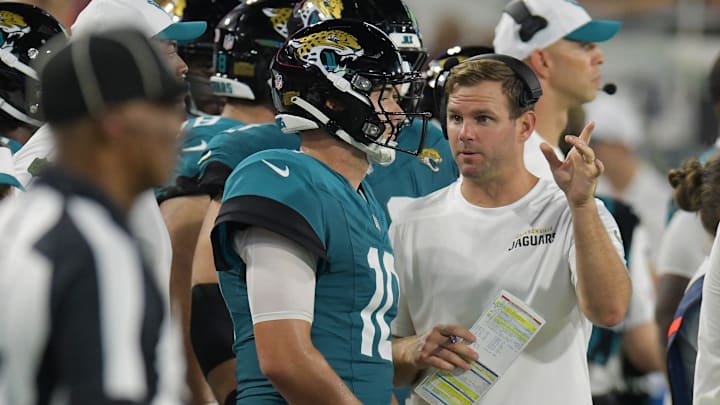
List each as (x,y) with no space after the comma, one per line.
(82,320)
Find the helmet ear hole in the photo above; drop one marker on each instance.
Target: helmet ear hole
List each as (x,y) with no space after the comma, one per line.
(335,105)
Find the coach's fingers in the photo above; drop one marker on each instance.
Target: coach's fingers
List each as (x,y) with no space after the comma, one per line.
(587,131)
(581,148)
(455,330)
(550,155)
(447,360)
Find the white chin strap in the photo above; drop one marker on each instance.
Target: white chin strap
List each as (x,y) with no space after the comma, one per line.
(291,123)
(12,61)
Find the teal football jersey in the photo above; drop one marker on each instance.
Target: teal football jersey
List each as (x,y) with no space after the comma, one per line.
(228,149)
(415,176)
(195,137)
(356,291)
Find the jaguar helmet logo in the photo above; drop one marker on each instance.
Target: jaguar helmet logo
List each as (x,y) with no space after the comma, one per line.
(12,27)
(328,49)
(320,10)
(431,158)
(279,18)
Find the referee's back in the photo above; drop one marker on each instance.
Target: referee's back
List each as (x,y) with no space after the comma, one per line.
(82,318)
(80,313)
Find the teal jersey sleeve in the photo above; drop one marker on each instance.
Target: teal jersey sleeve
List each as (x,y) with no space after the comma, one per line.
(256,192)
(198,133)
(415,176)
(356,289)
(194,139)
(233,146)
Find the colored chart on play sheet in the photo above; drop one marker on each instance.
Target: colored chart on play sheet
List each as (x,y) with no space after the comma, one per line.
(502,333)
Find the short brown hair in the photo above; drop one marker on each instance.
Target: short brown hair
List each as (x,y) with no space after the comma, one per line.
(697,188)
(471,73)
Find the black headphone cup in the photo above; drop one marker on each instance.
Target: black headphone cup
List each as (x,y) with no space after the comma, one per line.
(529,24)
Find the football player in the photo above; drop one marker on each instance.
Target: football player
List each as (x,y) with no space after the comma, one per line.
(423,171)
(246,38)
(301,242)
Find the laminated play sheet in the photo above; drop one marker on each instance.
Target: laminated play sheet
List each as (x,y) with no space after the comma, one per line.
(501,333)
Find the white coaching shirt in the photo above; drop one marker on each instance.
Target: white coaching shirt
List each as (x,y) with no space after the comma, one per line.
(452,258)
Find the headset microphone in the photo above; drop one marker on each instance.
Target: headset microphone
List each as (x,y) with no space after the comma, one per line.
(609,88)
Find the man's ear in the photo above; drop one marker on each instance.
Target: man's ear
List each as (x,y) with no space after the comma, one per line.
(540,63)
(113,124)
(525,125)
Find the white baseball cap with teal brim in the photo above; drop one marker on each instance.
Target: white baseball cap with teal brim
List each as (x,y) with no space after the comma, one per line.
(563,19)
(144,15)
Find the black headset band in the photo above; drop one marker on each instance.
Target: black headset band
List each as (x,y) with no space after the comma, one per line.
(531,84)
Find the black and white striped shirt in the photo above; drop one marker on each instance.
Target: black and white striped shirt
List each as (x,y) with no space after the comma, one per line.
(82,320)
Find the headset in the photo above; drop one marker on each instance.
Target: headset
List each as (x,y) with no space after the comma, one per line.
(529,24)
(531,84)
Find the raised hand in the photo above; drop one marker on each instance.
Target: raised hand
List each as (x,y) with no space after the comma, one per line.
(577,175)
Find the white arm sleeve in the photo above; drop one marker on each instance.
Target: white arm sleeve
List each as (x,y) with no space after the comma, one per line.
(280,276)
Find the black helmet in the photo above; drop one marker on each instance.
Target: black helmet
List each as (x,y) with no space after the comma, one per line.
(342,62)
(24,29)
(392,17)
(199,52)
(436,73)
(245,42)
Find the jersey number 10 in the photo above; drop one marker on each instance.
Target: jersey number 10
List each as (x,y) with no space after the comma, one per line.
(384,274)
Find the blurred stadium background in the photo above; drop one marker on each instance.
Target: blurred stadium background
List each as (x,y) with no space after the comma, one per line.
(661,58)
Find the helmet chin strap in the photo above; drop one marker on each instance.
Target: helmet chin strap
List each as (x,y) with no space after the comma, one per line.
(375,153)
(17,114)
(12,61)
